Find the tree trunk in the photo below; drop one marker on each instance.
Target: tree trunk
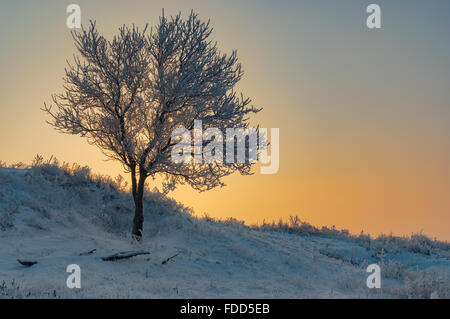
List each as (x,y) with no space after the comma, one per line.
(138,194)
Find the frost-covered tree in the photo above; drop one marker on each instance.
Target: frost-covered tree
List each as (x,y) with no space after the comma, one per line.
(128,94)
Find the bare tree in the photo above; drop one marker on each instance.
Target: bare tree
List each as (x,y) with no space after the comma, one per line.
(127,96)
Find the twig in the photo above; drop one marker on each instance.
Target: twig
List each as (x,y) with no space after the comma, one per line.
(88,253)
(168,259)
(124,255)
(27,263)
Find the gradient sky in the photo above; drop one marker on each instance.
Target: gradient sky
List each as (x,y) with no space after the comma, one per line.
(364,115)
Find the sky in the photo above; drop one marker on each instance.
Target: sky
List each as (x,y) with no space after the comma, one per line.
(363,114)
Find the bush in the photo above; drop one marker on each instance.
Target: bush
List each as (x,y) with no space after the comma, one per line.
(429,283)
(393,269)
(6,220)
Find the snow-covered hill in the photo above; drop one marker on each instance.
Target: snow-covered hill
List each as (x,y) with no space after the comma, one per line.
(52,213)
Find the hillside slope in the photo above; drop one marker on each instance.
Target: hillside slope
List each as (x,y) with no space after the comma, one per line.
(52,214)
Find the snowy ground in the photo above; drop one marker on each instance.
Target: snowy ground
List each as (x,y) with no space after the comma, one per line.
(52,215)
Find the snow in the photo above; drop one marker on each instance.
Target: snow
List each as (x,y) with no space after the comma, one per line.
(53,214)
